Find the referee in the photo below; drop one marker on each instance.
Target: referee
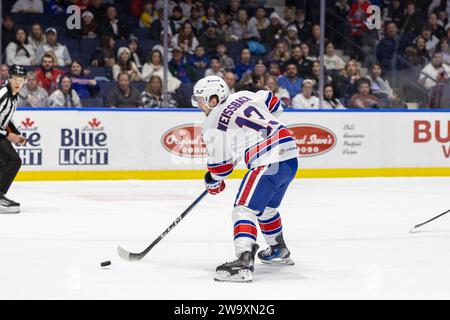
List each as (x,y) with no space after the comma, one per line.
(10,161)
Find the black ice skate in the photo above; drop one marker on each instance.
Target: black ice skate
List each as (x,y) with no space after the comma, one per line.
(276,255)
(240,270)
(7,205)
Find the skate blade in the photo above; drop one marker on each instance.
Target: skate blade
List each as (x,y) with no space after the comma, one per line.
(242,276)
(279,262)
(9,210)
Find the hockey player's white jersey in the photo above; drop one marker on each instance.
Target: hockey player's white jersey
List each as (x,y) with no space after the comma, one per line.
(244,127)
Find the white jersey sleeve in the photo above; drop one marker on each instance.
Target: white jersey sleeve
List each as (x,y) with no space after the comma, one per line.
(244,127)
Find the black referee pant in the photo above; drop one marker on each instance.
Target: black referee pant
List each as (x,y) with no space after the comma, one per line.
(10,164)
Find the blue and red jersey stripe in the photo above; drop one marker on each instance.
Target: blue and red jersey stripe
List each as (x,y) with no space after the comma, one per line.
(221,169)
(245,228)
(271,226)
(272,102)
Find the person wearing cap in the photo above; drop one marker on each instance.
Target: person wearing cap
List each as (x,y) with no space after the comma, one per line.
(176,19)
(28,6)
(89,27)
(275,30)
(125,64)
(292,36)
(61,52)
(10,161)
(179,68)
(306,99)
(210,39)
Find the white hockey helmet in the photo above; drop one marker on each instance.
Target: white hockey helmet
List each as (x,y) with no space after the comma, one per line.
(210,86)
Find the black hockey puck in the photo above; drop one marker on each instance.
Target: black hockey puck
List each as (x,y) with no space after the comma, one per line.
(105,263)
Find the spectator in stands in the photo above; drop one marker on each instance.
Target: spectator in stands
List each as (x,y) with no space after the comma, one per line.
(422,56)
(289,15)
(125,64)
(346,81)
(112,26)
(8,31)
(186,39)
(260,20)
(389,48)
(291,81)
(357,17)
(331,60)
(363,99)
(48,76)
(199,60)
(124,95)
(179,68)
(196,17)
(436,29)
(19,51)
(430,39)
(443,47)
(186,6)
(36,37)
(291,37)
(209,39)
(434,72)
(306,52)
(89,27)
(103,56)
(304,65)
(255,80)
(275,69)
(411,22)
(61,52)
(380,87)
(176,20)
(225,60)
(315,75)
(329,100)
(232,10)
(64,96)
(137,55)
(170,45)
(230,78)
(394,12)
(4,74)
(147,15)
(32,95)
(215,69)
(85,86)
(314,41)
(210,12)
(155,67)
(270,84)
(223,27)
(245,64)
(306,99)
(242,29)
(280,53)
(275,31)
(28,6)
(152,97)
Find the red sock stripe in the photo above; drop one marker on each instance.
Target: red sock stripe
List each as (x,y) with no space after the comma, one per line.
(270,226)
(249,185)
(247,228)
(282,133)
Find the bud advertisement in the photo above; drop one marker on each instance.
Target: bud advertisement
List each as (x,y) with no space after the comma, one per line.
(77,140)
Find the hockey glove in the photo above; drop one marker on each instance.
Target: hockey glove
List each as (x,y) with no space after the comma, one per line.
(213,186)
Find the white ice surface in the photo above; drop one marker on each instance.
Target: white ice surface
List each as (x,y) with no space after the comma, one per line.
(349,238)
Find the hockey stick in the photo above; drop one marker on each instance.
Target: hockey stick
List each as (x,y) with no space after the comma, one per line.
(423,223)
(129,256)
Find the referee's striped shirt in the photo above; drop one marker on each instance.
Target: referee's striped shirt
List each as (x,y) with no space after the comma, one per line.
(8,104)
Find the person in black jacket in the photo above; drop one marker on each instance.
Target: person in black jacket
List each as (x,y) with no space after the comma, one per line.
(112,26)
(10,161)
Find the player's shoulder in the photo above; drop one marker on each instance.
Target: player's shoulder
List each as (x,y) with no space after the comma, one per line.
(249,94)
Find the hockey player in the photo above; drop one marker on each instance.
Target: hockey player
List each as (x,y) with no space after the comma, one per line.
(10,161)
(243,126)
